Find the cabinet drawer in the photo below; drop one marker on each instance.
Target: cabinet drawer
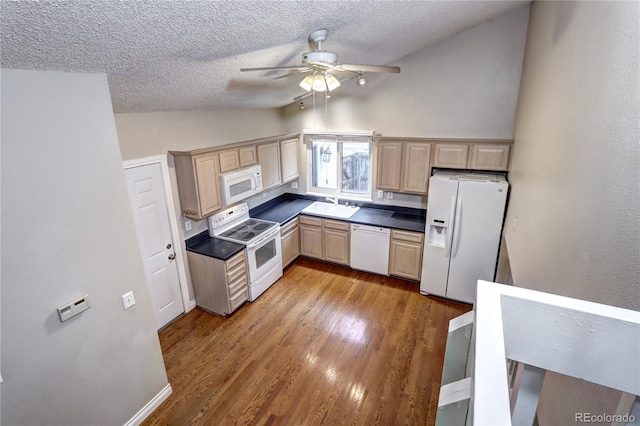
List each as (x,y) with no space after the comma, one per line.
(413,237)
(288,227)
(312,221)
(334,224)
(235,261)
(236,273)
(237,285)
(238,299)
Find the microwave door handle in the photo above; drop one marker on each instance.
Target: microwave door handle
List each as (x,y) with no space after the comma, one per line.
(253,182)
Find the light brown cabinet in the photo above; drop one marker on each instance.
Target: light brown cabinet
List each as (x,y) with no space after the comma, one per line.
(474,156)
(389,173)
(220,286)
(232,159)
(269,160)
(289,159)
(290,236)
(404,166)
(198,183)
(452,156)
(324,239)
(489,157)
(405,254)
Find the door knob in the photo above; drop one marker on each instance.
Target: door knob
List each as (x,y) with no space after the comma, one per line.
(172,256)
(168,246)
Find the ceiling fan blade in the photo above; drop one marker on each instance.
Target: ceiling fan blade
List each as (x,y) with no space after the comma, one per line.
(367,68)
(294,67)
(294,72)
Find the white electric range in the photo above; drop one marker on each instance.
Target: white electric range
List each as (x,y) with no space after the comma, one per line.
(262,239)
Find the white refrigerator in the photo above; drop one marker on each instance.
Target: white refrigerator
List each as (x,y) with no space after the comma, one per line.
(465,212)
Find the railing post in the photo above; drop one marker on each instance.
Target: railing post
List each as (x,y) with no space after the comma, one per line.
(526,395)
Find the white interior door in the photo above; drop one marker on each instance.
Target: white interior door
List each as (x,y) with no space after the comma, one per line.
(146,192)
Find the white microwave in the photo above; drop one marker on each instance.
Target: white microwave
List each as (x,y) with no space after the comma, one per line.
(240,184)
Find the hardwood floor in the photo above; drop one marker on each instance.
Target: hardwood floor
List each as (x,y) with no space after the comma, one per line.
(324,345)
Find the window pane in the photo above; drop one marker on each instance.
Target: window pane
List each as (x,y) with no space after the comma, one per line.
(325,165)
(355,167)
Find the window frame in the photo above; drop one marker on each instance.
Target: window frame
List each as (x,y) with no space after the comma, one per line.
(339,140)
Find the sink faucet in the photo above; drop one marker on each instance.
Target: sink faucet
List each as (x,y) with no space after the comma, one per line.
(334,200)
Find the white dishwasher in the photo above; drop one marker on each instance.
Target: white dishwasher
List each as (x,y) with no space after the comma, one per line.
(370,248)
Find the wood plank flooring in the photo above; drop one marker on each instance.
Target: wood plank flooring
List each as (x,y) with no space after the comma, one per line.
(324,345)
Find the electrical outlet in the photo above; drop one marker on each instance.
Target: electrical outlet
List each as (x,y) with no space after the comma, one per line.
(294,185)
(515,223)
(187,225)
(128,300)
(380,194)
(389,195)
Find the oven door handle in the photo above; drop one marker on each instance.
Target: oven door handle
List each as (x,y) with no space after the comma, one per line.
(268,235)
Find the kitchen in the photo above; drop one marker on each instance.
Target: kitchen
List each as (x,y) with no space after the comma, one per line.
(541,155)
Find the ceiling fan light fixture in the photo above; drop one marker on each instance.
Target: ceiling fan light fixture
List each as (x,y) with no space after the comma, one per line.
(332,81)
(319,83)
(307,83)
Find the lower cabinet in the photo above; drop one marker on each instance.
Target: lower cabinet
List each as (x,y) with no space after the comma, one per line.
(324,239)
(290,236)
(405,254)
(220,286)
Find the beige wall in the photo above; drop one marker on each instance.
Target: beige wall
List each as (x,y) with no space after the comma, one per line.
(576,171)
(67,230)
(464,86)
(154,133)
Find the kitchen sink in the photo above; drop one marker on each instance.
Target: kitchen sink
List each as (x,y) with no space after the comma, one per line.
(331,210)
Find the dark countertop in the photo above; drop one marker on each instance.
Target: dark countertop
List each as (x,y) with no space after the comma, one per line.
(213,247)
(288,206)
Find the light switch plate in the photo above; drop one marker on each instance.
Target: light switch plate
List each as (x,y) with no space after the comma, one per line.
(294,185)
(380,194)
(128,300)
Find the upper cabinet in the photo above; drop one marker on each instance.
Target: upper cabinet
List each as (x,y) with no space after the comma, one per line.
(404,166)
(269,160)
(198,183)
(289,159)
(232,159)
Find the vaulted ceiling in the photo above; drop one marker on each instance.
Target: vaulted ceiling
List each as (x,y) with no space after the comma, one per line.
(184,55)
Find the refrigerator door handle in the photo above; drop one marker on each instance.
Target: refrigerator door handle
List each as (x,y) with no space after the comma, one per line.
(448,239)
(456,226)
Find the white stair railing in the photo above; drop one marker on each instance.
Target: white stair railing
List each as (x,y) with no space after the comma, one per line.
(535,332)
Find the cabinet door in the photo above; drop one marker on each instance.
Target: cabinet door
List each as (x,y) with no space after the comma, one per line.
(311,241)
(405,259)
(248,156)
(269,159)
(289,154)
(206,168)
(489,157)
(336,246)
(290,242)
(451,156)
(229,160)
(415,167)
(389,165)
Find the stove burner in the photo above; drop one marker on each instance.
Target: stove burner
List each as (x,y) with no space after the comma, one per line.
(245,235)
(261,226)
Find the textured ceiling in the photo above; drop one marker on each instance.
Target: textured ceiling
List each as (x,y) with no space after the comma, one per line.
(183,55)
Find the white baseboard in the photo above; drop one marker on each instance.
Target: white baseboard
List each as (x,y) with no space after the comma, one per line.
(192,304)
(150,406)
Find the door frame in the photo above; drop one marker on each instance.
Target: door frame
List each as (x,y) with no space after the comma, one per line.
(173,221)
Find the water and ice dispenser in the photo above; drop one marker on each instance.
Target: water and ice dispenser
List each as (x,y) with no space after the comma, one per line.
(437,232)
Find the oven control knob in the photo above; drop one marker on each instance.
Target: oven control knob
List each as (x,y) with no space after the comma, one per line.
(172,256)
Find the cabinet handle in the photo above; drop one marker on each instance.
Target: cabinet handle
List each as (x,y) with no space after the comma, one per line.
(172,256)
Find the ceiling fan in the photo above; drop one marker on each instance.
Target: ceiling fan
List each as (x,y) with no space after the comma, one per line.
(320,66)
